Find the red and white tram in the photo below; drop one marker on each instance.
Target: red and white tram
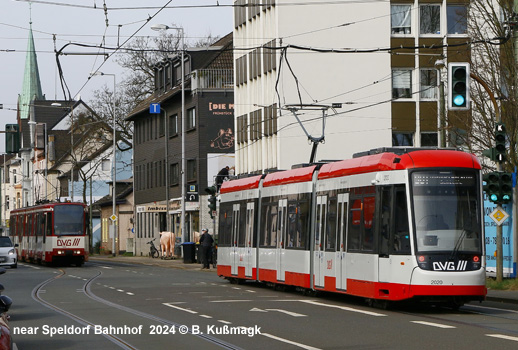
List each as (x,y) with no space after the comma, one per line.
(51,233)
(389,224)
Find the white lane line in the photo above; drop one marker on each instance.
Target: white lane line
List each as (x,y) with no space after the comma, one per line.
(303,346)
(107,267)
(130,293)
(501,336)
(229,301)
(205,316)
(438,325)
(251,291)
(180,308)
(345,308)
(225,322)
(291,313)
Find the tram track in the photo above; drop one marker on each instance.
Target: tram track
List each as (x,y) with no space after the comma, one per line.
(113,338)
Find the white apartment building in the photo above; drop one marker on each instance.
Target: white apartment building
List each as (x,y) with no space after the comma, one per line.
(338,53)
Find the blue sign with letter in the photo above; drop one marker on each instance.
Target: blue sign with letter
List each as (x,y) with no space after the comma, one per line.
(154,108)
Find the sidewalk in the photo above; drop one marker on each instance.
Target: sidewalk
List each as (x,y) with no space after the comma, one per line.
(508,296)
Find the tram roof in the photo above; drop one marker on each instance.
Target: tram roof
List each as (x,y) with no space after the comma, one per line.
(247,183)
(289,176)
(391,161)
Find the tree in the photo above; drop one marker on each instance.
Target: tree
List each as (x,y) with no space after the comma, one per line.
(494,63)
(138,62)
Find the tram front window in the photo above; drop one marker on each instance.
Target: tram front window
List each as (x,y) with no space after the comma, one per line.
(447,213)
(68,220)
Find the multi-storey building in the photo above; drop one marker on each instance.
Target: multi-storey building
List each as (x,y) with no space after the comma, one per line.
(370,71)
(208,142)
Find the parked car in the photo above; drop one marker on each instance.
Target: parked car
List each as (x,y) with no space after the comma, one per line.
(8,254)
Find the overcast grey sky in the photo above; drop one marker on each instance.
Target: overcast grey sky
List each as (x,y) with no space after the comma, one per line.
(84,21)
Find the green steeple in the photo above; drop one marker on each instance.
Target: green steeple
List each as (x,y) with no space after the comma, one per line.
(31,88)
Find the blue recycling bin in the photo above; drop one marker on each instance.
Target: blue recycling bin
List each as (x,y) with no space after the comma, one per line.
(189,252)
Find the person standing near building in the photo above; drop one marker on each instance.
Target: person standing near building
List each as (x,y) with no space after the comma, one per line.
(222,175)
(206,241)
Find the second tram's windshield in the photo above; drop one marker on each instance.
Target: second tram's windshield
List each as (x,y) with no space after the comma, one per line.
(446,207)
(68,220)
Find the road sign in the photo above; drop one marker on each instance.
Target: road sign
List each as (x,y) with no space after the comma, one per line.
(499,216)
(154,108)
(114,218)
(191,197)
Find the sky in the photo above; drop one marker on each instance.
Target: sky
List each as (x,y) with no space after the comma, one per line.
(84,22)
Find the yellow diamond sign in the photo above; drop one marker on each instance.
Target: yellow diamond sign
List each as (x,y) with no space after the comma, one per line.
(114,218)
(499,216)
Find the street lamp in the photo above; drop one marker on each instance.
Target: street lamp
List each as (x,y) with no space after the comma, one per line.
(45,152)
(114,166)
(159,27)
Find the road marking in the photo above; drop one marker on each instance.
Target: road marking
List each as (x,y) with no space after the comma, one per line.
(229,301)
(180,308)
(120,290)
(225,322)
(130,293)
(345,308)
(501,336)
(294,314)
(290,342)
(107,267)
(205,316)
(438,325)
(251,291)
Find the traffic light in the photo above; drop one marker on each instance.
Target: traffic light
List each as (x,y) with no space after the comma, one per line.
(458,86)
(12,138)
(500,136)
(212,199)
(492,186)
(506,187)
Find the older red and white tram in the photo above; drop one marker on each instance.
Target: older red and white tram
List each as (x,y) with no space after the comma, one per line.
(389,224)
(51,232)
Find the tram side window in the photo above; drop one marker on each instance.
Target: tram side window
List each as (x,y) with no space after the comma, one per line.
(331,225)
(264,238)
(402,232)
(273,225)
(361,224)
(225,225)
(242,225)
(298,212)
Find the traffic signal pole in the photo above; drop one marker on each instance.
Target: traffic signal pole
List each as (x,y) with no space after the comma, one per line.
(499,229)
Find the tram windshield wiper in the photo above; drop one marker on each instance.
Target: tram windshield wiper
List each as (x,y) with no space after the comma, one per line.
(458,244)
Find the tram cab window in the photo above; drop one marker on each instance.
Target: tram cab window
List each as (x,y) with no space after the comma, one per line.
(402,232)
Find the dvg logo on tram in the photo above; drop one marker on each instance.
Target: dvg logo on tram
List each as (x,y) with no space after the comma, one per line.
(450,265)
(69,242)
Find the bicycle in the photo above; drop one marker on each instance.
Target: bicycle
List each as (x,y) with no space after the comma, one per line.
(153,251)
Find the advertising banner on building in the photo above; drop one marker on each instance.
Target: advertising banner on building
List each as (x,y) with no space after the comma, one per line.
(490,221)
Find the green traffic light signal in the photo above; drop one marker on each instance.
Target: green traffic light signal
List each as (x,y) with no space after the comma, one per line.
(458,86)
(506,187)
(492,186)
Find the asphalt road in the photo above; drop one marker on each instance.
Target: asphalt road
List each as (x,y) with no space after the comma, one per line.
(112,306)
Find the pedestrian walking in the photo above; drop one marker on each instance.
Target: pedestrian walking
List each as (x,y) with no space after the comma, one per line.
(206,241)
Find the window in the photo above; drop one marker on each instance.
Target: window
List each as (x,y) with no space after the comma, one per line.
(105,165)
(161,125)
(428,88)
(401,83)
(429,139)
(192,171)
(191,118)
(174,171)
(430,19)
(457,19)
(400,18)
(173,125)
(402,139)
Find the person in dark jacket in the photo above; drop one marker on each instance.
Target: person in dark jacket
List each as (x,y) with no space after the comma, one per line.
(206,241)
(222,175)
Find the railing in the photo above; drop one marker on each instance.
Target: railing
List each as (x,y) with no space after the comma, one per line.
(212,79)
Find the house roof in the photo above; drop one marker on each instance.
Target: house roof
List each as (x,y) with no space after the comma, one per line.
(123,189)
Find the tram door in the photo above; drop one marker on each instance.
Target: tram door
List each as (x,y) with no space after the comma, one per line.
(341,241)
(319,264)
(281,238)
(234,250)
(249,239)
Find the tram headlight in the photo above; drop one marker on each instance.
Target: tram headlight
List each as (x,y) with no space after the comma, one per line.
(61,252)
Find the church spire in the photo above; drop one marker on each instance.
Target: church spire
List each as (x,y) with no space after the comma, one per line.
(31,88)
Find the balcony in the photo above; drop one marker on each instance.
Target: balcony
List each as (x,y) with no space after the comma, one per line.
(212,79)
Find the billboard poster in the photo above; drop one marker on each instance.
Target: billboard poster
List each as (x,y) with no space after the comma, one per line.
(509,268)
